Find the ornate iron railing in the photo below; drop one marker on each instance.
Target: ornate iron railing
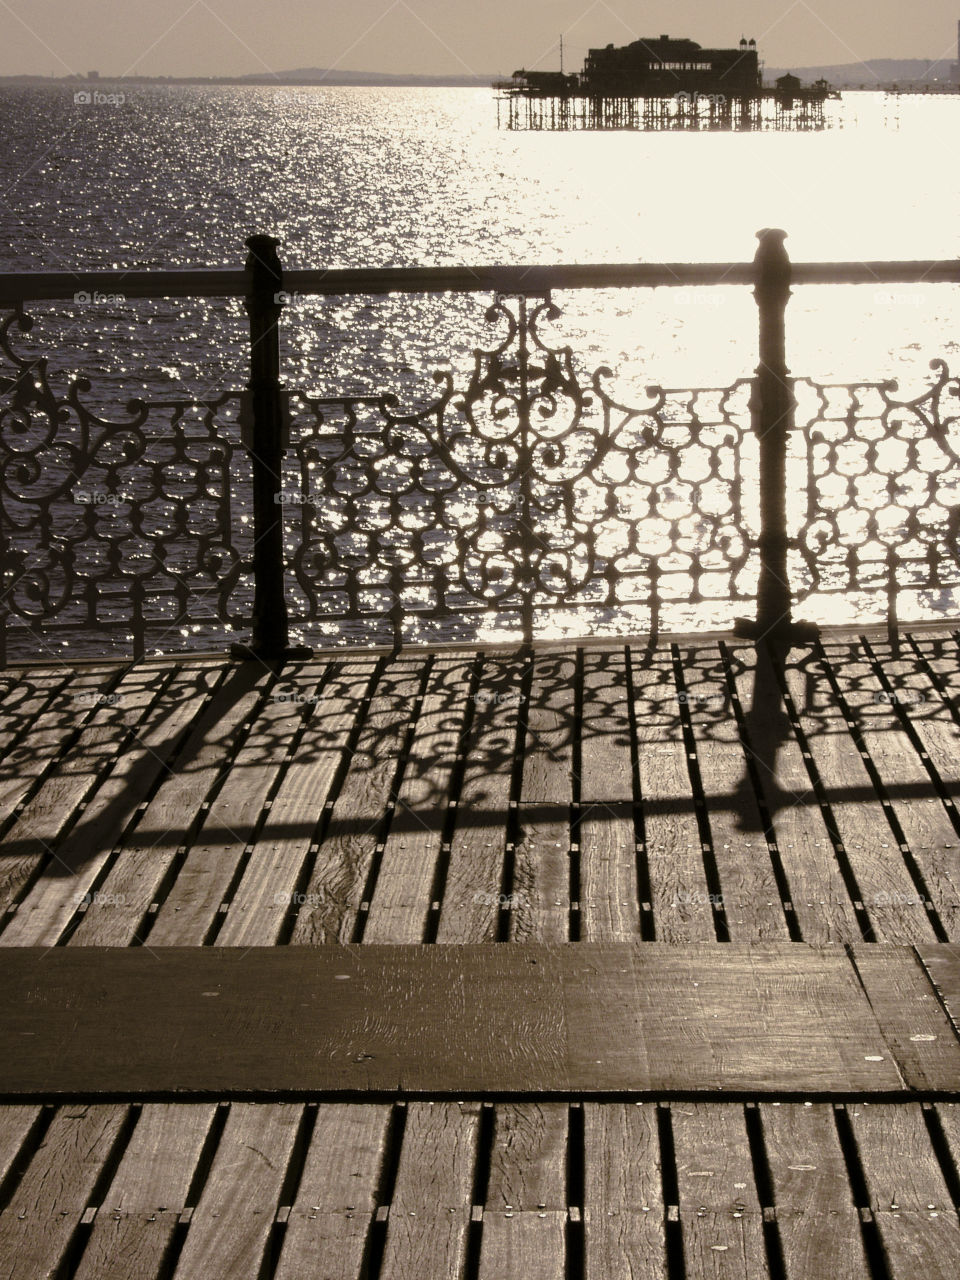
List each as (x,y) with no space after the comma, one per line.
(526,493)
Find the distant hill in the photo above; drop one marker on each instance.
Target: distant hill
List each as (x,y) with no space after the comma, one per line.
(876,71)
(317,75)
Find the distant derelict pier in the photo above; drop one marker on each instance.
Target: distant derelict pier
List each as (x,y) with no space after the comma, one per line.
(662,84)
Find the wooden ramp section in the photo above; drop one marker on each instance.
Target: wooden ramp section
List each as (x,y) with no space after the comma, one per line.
(594,1019)
(574,963)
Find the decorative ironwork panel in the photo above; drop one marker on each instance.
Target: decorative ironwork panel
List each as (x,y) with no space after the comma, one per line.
(126,530)
(878,510)
(527,493)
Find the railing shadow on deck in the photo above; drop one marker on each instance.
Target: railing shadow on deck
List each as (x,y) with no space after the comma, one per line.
(431,742)
(528,499)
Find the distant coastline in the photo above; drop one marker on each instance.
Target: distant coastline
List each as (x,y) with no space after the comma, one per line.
(876,73)
(282,79)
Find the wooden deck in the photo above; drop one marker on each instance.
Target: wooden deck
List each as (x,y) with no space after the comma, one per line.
(361,1077)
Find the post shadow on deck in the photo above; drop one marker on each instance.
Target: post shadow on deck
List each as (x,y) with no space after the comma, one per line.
(772,406)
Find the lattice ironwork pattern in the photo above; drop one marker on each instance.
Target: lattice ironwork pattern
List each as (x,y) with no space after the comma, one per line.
(524,499)
(527,493)
(878,509)
(129,530)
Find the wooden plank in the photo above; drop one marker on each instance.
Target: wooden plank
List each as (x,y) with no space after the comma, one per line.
(541,873)
(430,1213)
(920,1244)
(135,1225)
(550,725)
(337,1196)
(818,894)
(817,1219)
(15,1124)
(524,1220)
(926,826)
(540,892)
(526,1017)
(898,1159)
(750,895)
(724,1246)
(606,743)
(231,1225)
(714,1163)
(805,1159)
(265,893)
(36,834)
(401,900)
(942,964)
(890,897)
(472,897)
(719,1209)
(815,1246)
(609,899)
(203,882)
(116,915)
(911,1018)
(623,1208)
(609,906)
(679,891)
(37,1226)
(907,1192)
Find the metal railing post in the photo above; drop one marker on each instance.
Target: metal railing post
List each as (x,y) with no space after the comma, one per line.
(772,405)
(265,443)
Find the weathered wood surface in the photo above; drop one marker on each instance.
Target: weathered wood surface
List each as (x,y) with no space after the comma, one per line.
(48,1203)
(135,1226)
(670,794)
(233,1220)
(617,795)
(337,1195)
(641,1017)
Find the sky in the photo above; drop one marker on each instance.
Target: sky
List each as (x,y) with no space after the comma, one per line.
(438,37)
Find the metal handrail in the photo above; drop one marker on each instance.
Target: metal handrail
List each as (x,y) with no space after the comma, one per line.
(23,286)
